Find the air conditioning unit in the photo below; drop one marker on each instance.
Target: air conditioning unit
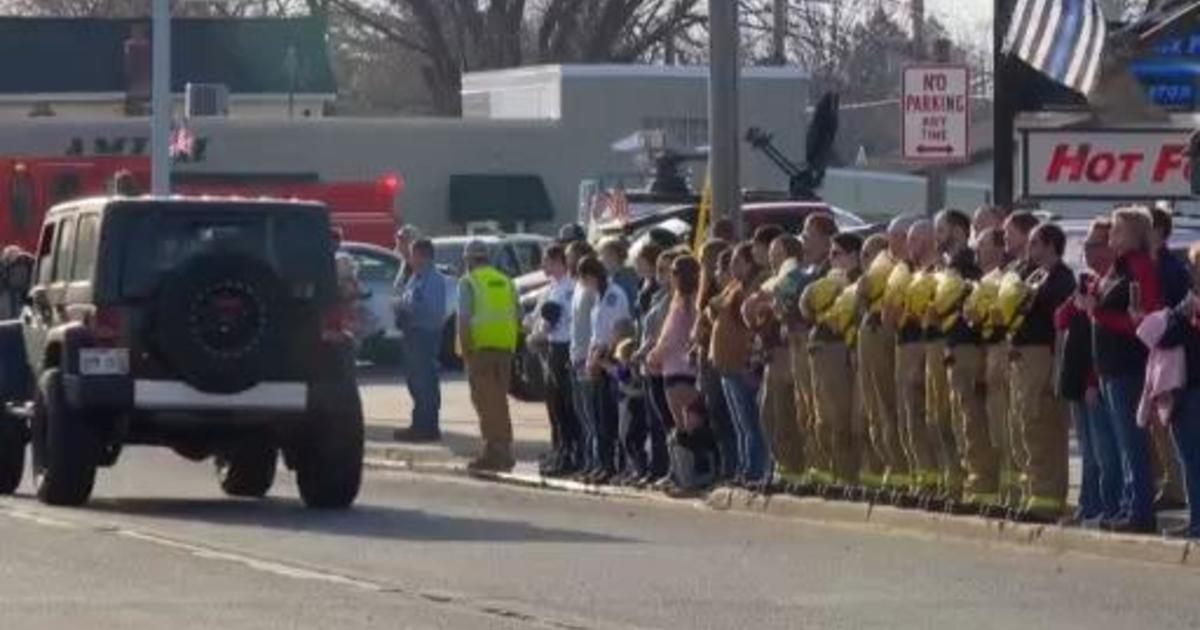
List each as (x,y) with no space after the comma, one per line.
(206,100)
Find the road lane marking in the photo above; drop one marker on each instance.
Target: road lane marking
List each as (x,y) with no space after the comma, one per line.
(508,611)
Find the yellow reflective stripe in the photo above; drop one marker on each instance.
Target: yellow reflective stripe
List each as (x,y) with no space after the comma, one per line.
(899,480)
(983,498)
(871,481)
(1044,504)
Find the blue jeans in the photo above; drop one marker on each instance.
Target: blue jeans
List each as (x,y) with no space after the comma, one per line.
(583,393)
(606,424)
(1122,395)
(1186,431)
(421,351)
(743,407)
(1103,478)
(720,421)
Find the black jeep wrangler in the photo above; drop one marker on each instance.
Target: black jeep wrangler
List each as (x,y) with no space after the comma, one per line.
(210,326)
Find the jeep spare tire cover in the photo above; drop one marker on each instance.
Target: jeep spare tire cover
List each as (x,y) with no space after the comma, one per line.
(221,321)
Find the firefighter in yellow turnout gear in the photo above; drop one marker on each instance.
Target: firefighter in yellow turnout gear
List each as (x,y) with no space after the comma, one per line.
(910,289)
(877,358)
(966,364)
(832,304)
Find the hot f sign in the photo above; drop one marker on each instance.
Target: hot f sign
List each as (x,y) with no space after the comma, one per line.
(1105,164)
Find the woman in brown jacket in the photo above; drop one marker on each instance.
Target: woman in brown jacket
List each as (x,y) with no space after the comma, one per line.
(730,352)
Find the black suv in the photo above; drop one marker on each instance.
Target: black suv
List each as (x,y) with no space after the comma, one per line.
(210,326)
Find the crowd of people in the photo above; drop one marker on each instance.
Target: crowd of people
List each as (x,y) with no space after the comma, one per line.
(938,365)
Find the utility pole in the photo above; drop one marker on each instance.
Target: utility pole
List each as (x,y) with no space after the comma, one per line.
(723,137)
(916,13)
(935,179)
(1003,177)
(779,33)
(160,99)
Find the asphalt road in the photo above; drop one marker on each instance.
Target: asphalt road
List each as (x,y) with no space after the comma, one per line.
(161,548)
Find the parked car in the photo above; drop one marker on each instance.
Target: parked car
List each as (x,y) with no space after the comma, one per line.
(377,271)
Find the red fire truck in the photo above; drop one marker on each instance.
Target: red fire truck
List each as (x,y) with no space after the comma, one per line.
(365,211)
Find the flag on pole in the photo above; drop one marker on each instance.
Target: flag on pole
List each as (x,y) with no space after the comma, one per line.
(703,214)
(1062,39)
(619,205)
(182,143)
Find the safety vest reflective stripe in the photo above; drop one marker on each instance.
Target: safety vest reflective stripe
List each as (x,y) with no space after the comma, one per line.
(494,318)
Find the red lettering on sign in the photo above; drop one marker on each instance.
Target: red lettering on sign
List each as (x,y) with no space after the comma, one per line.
(1170,158)
(1063,159)
(1129,161)
(1099,168)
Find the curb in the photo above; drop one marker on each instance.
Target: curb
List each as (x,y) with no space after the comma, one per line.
(880,518)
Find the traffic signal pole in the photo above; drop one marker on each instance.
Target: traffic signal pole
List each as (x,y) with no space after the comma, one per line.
(723,137)
(160,99)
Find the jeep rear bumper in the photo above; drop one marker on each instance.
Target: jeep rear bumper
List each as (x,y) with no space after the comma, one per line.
(123,393)
(179,396)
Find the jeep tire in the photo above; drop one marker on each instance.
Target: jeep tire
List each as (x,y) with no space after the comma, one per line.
(247,467)
(66,448)
(12,453)
(329,454)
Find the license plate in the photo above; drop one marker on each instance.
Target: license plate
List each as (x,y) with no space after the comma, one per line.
(104,361)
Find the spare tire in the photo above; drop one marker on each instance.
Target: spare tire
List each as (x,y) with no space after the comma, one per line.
(221,322)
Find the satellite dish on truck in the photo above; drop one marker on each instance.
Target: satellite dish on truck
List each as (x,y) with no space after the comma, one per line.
(803,182)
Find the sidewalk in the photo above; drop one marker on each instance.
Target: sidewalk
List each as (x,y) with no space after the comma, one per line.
(387,407)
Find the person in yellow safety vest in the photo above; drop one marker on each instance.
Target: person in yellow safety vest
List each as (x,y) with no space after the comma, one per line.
(911,287)
(488,326)
(876,352)
(966,366)
(1017,228)
(979,313)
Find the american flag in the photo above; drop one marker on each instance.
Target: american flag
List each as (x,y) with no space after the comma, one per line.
(1062,39)
(182,142)
(619,205)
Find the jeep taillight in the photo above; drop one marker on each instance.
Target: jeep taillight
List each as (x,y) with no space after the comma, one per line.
(335,323)
(106,325)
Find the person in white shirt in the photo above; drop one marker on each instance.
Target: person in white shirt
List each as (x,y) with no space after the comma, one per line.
(551,323)
(611,307)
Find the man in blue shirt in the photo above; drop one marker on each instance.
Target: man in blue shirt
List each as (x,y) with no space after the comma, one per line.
(420,315)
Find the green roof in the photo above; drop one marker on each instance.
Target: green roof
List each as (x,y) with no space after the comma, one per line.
(87,55)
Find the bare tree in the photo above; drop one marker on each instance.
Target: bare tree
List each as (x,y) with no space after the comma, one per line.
(453,36)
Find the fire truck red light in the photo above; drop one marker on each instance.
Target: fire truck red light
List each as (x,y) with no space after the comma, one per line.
(392,182)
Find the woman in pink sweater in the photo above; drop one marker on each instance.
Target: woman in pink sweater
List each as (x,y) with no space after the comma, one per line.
(670,355)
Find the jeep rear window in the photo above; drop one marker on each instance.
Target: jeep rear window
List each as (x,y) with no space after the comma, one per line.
(296,243)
